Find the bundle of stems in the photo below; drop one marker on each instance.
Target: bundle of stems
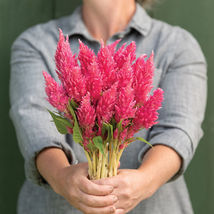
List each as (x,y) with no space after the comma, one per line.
(104,164)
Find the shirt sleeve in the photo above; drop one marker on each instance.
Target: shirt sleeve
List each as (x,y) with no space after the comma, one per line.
(28,111)
(185,92)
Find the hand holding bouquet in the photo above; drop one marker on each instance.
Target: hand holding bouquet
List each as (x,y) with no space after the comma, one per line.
(103,100)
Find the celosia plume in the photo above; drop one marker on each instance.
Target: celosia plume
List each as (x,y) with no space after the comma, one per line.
(123,52)
(86,57)
(56,94)
(86,113)
(68,70)
(143,72)
(106,105)
(124,108)
(147,115)
(107,66)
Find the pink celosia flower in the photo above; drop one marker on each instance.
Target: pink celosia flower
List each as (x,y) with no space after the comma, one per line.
(70,130)
(107,66)
(123,134)
(64,58)
(112,47)
(56,94)
(130,132)
(86,114)
(94,83)
(147,115)
(124,107)
(86,57)
(115,134)
(106,104)
(85,144)
(143,78)
(125,74)
(122,54)
(75,84)
(68,70)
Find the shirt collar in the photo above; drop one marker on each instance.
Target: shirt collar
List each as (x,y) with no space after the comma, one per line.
(74,24)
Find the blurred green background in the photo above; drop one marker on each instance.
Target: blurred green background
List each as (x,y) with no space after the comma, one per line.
(15,16)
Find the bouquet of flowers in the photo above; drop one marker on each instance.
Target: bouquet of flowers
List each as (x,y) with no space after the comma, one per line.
(103,100)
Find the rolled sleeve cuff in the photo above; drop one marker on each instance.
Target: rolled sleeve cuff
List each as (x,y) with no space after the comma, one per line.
(176,139)
(31,170)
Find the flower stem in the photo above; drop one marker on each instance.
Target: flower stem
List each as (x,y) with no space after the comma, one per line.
(99,165)
(94,162)
(90,167)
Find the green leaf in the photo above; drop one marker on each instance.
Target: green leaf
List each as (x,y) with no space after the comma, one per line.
(72,111)
(143,140)
(119,126)
(104,128)
(98,142)
(73,104)
(61,123)
(91,146)
(110,137)
(113,122)
(109,128)
(77,135)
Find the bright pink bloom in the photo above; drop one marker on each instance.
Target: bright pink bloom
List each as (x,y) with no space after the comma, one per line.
(64,58)
(94,83)
(124,108)
(147,115)
(107,66)
(125,74)
(106,104)
(121,55)
(112,47)
(70,130)
(143,77)
(86,57)
(85,144)
(131,132)
(56,94)
(123,134)
(68,70)
(74,84)
(86,113)
(115,134)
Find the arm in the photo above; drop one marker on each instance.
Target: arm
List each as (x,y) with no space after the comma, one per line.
(28,111)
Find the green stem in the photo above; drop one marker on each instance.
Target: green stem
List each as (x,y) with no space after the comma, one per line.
(94,162)
(90,168)
(99,166)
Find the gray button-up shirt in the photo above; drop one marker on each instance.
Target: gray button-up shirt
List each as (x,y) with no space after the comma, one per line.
(180,72)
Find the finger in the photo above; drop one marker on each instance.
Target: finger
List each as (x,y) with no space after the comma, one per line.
(119,211)
(118,165)
(92,188)
(96,210)
(98,201)
(83,168)
(113,181)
